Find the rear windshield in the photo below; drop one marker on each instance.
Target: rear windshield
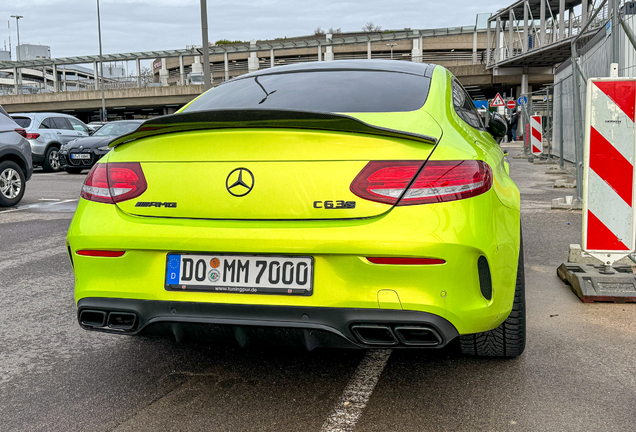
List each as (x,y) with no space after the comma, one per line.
(23,122)
(348,91)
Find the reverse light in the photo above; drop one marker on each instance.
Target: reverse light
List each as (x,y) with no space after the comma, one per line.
(438,181)
(101,253)
(32,135)
(115,182)
(405,261)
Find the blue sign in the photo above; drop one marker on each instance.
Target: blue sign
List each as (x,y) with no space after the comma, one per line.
(481,104)
(522,100)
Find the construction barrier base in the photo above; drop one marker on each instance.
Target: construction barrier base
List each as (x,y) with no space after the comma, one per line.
(591,285)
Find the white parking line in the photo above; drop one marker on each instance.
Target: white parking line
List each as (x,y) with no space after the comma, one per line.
(38,205)
(356,394)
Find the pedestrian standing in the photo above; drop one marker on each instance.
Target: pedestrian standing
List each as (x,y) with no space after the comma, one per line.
(514,122)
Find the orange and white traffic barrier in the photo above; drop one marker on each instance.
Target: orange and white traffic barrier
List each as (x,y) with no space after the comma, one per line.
(610,150)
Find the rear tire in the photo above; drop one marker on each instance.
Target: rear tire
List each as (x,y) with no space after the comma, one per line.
(509,339)
(52,160)
(73,170)
(12,184)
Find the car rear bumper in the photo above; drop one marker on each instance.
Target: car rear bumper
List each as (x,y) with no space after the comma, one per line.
(458,232)
(244,324)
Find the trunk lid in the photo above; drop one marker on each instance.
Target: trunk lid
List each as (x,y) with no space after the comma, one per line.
(287,169)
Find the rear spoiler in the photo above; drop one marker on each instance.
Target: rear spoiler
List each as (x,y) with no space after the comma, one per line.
(261,118)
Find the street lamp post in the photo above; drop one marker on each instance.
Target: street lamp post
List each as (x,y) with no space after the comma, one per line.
(391,45)
(17,50)
(206,48)
(101,64)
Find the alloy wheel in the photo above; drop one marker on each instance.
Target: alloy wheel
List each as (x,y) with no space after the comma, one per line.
(54,160)
(10,183)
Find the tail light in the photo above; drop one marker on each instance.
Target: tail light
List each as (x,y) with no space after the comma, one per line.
(21,132)
(392,182)
(114,182)
(32,135)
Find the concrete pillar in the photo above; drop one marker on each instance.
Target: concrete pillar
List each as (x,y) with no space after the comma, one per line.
(416,52)
(474,47)
(584,13)
(15,79)
(368,50)
(542,26)
(163,72)
(497,41)
(272,58)
(488,43)
(525,27)
(226,65)
(197,67)
(571,19)
(44,76)
(96,76)
(561,33)
(252,62)
(181,73)
(511,38)
(329,49)
(55,82)
(138,64)
(64,78)
(319,52)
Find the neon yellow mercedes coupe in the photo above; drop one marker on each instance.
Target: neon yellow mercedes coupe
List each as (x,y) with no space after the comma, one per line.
(340,204)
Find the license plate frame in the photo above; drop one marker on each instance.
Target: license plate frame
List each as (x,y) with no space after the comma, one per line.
(80,156)
(246,287)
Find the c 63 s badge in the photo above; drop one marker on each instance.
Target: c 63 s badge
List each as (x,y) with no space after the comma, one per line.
(335,205)
(156,204)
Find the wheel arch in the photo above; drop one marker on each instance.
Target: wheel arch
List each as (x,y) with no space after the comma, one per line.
(15,156)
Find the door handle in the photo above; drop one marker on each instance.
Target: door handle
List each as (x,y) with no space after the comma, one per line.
(59,133)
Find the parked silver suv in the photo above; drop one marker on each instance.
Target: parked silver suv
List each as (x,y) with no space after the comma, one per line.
(15,161)
(47,132)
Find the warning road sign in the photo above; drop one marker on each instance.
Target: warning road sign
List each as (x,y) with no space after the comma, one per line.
(498,101)
(511,104)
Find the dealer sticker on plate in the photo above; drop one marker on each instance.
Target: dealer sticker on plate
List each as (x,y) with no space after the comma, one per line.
(248,274)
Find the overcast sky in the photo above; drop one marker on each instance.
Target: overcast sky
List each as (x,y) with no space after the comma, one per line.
(69,27)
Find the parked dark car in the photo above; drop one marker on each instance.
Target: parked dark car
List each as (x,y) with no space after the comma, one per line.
(82,153)
(16,166)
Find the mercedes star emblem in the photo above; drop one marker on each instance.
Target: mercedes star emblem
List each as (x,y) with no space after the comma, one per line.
(240,182)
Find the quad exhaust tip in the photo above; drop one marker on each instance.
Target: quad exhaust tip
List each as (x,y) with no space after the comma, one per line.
(387,335)
(92,318)
(119,321)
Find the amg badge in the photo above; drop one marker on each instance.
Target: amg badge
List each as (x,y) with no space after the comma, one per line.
(156,204)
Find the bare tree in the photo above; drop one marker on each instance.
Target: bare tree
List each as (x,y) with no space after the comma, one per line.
(334,31)
(319,31)
(370,27)
(147,76)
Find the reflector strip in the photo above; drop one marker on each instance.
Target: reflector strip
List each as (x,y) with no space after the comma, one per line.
(405,261)
(101,253)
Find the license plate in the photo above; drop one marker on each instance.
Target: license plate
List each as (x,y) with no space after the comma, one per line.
(245,274)
(80,156)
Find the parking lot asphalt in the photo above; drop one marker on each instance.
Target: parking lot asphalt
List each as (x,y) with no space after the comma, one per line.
(577,373)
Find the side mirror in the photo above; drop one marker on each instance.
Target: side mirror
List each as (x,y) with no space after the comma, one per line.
(497,127)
